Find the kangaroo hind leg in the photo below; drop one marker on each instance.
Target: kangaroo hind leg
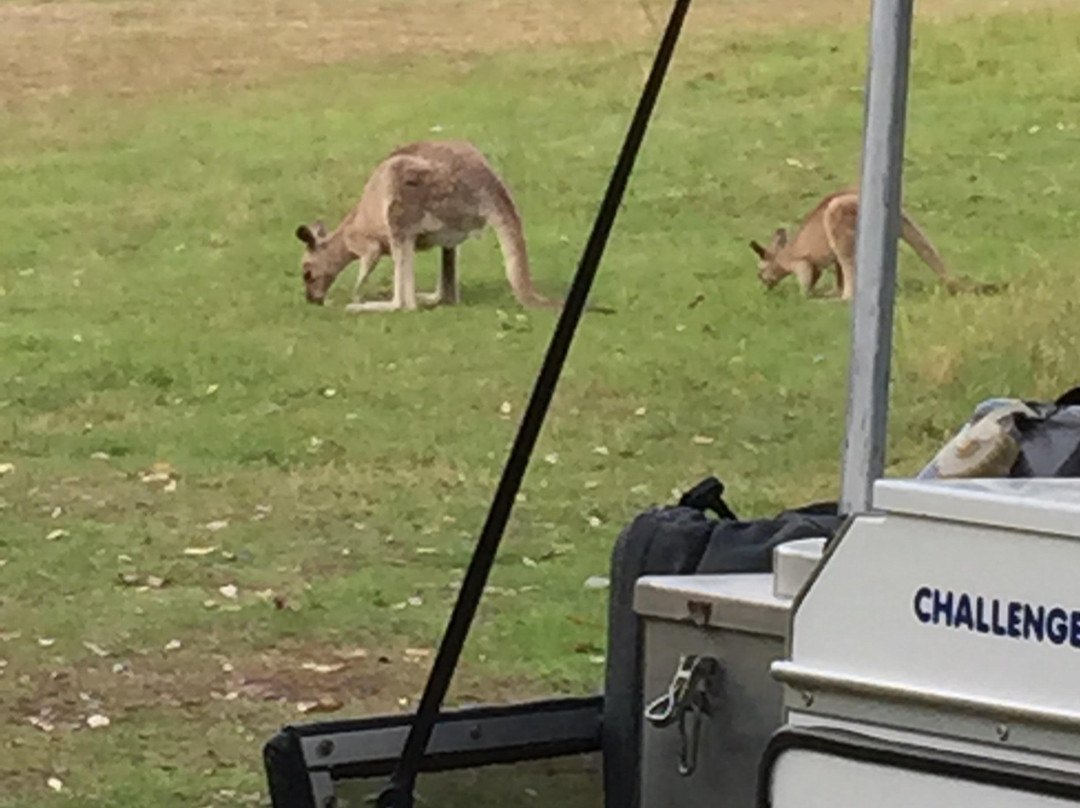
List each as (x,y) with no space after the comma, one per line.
(447,290)
(840,220)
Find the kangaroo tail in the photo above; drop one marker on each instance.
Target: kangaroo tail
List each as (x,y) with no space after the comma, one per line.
(913,235)
(506,222)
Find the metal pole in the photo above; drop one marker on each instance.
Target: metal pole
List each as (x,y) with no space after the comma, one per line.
(875,255)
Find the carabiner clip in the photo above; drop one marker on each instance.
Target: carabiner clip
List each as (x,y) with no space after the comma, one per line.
(687,693)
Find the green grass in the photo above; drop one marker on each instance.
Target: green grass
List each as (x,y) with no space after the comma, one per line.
(152,310)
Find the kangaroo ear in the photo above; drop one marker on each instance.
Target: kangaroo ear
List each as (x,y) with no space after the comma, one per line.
(305,234)
(779,238)
(757,248)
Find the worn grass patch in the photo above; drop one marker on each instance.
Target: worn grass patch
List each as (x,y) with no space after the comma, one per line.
(220,495)
(137,48)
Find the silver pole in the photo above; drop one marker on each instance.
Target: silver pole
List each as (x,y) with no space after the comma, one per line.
(875,256)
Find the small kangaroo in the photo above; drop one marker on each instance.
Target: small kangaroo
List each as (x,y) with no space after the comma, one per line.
(826,238)
(423,195)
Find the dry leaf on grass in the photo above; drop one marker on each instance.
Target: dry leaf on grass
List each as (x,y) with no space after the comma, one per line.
(596,582)
(98,721)
(199,551)
(46,642)
(587,648)
(43,724)
(702,440)
(6,468)
(55,783)
(318,667)
(59,533)
(353,653)
(325,704)
(95,649)
(173,645)
(216,525)
(417,653)
(229,591)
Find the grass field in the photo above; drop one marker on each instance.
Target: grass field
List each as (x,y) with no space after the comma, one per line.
(219,503)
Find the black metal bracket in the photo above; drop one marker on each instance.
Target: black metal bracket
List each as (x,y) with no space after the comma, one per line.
(304,762)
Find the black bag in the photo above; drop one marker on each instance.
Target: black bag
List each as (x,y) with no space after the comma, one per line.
(678,540)
(1050,442)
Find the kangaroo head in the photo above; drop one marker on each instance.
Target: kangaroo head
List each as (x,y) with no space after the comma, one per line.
(318,267)
(769,269)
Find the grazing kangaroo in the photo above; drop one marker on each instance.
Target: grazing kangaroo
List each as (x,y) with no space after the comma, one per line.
(826,238)
(423,195)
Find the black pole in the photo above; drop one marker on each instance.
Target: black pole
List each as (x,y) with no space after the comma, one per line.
(399,792)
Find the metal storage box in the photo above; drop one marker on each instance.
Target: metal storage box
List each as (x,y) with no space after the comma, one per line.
(706,726)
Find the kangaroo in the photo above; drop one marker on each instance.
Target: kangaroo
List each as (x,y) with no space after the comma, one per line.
(826,238)
(423,195)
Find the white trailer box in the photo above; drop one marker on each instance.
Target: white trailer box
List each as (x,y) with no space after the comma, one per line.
(935,655)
